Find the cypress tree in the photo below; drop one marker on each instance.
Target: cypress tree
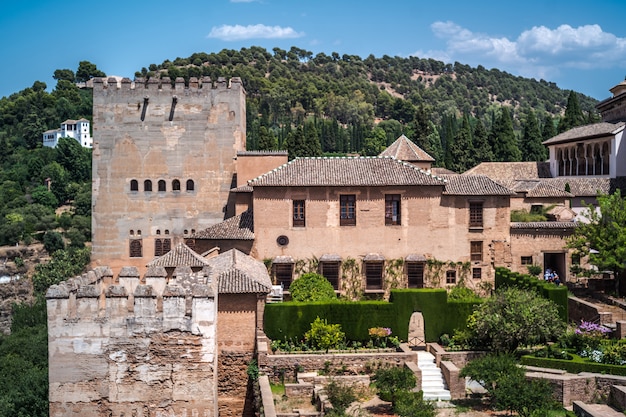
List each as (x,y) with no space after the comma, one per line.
(573,114)
(460,150)
(502,137)
(530,145)
(482,149)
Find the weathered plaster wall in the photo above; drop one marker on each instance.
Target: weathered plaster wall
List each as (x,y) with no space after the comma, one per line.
(119,347)
(153,131)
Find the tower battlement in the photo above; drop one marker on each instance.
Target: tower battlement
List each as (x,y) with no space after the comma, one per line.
(141,85)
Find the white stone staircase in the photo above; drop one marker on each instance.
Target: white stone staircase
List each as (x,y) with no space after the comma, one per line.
(433,385)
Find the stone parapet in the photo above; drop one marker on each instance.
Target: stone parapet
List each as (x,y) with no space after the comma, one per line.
(118,346)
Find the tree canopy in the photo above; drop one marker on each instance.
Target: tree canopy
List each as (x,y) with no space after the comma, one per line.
(602,238)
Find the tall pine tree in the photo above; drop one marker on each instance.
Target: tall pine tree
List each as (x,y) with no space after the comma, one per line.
(482,149)
(530,145)
(573,114)
(503,139)
(460,150)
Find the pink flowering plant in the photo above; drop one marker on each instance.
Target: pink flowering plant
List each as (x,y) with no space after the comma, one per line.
(380,337)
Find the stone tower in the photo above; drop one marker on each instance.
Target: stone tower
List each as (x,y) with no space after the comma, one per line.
(163,163)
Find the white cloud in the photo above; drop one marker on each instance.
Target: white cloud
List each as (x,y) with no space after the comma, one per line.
(537,52)
(239,32)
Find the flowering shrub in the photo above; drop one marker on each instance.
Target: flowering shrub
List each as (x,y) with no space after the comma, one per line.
(380,337)
(586,336)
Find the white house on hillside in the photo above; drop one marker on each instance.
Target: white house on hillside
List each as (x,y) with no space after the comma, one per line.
(75,129)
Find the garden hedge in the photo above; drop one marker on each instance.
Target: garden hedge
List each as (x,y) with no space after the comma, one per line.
(290,320)
(574,366)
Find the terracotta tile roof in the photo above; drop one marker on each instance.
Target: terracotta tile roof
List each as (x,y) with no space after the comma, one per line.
(241,189)
(500,171)
(240,227)
(543,225)
(586,132)
(181,256)
(442,171)
(238,273)
(583,187)
(262,153)
(538,188)
(345,172)
(474,185)
(405,150)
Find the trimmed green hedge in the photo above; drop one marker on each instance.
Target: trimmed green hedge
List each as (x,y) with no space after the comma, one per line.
(574,366)
(289,321)
(554,293)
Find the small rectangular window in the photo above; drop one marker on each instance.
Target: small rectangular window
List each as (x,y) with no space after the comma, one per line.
(347,210)
(392,209)
(415,274)
(330,271)
(476,214)
(298,213)
(476,250)
(450,277)
(477,273)
(527,260)
(373,275)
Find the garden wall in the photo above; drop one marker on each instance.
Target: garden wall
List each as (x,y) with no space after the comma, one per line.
(286,366)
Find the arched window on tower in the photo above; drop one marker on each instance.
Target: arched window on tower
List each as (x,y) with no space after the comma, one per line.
(134,185)
(162,185)
(190,185)
(176,185)
(147,185)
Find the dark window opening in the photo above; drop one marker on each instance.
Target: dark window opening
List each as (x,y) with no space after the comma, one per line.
(476,250)
(174,101)
(135,248)
(373,275)
(176,185)
(162,246)
(134,185)
(477,273)
(330,271)
(347,210)
(147,185)
(161,185)
(476,214)
(190,185)
(298,213)
(283,274)
(450,277)
(415,274)
(527,260)
(392,209)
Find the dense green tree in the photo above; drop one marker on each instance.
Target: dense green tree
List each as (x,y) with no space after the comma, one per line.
(312,287)
(41,195)
(480,144)
(64,74)
(507,385)
(460,150)
(531,142)
(549,129)
(267,139)
(86,70)
(512,318)
(53,241)
(573,114)
(375,142)
(502,138)
(75,159)
(602,237)
(312,140)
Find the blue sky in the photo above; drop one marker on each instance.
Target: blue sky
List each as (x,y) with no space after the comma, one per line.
(579,45)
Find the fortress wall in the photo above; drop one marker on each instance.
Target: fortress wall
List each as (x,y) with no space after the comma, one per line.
(155,131)
(148,352)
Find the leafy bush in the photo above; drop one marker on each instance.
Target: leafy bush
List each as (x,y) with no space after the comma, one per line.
(534,270)
(340,396)
(53,241)
(412,404)
(324,336)
(63,265)
(512,318)
(312,287)
(390,381)
(462,293)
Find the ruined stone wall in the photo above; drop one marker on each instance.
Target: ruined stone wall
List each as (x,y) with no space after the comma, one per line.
(118,346)
(179,141)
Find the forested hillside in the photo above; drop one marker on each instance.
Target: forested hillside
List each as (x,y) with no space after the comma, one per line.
(313,105)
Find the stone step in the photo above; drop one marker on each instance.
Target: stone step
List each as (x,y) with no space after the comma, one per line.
(433,385)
